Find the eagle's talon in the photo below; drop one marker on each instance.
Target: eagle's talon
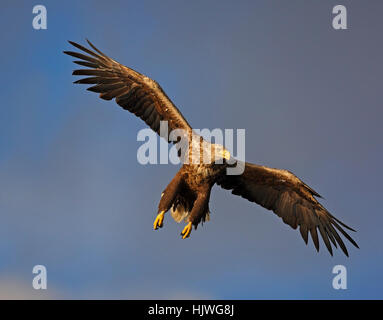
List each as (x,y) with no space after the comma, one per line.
(159,221)
(186,231)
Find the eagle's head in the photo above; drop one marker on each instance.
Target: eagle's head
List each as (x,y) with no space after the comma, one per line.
(220,155)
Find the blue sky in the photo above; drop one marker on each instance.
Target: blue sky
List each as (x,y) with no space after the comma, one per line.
(74,198)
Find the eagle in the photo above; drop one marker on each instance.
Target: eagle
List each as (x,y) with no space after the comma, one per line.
(187,195)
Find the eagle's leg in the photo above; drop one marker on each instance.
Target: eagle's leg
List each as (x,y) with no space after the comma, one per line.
(200,208)
(167,199)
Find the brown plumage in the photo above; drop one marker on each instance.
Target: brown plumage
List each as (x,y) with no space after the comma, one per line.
(187,195)
(132,91)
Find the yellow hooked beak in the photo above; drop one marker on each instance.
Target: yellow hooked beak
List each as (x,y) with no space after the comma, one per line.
(226,154)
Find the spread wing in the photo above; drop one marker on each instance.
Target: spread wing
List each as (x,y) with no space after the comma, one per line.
(131,90)
(291,199)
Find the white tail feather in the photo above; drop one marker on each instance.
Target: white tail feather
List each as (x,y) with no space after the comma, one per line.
(179,213)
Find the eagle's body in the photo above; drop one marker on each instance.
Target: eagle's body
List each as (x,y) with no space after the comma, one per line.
(187,195)
(196,181)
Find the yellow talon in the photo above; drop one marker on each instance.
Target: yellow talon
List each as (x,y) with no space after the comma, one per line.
(158,222)
(186,231)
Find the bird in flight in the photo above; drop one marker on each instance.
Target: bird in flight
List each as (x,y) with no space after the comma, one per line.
(187,195)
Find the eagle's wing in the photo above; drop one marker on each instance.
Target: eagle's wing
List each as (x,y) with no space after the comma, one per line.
(132,90)
(291,199)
